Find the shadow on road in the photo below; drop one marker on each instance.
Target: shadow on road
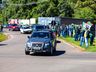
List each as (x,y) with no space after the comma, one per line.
(3,44)
(57,53)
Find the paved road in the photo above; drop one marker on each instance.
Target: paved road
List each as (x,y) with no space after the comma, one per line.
(67,58)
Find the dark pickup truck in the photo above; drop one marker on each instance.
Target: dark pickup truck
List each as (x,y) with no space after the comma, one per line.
(41,41)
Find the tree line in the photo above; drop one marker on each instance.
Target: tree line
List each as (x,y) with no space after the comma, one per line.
(49,8)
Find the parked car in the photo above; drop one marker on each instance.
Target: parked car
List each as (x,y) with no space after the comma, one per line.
(38,27)
(14,27)
(25,29)
(41,41)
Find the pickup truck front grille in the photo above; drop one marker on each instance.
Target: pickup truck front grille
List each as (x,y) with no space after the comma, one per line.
(37,45)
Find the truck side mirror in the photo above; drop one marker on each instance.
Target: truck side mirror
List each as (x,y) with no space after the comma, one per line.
(29,37)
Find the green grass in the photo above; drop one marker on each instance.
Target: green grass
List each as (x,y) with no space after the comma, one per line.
(2,37)
(71,40)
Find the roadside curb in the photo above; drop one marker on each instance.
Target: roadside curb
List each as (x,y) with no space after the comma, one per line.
(80,48)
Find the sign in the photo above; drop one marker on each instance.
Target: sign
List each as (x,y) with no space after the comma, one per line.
(86,25)
(32,21)
(13,21)
(24,21)
(48,20)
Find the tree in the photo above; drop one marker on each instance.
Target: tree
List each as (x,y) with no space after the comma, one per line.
(86,12)
(85,8)
(51,8)
(65,9)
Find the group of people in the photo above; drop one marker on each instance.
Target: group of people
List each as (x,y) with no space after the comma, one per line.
(79,33)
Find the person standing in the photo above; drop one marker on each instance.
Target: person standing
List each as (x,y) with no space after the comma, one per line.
(77,32)
(92,34)
(65,31)
(86,37)
(82,37)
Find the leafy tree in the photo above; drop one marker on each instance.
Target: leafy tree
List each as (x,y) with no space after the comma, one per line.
(65,9)
(84,13)
(51,8)
(86,8)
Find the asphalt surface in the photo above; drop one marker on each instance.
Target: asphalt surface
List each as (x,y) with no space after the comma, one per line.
(67,58)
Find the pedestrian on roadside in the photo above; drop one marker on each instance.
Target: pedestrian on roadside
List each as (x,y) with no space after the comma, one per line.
(77,32)
(86,37)
(92,34)
(82,37)
(65,32)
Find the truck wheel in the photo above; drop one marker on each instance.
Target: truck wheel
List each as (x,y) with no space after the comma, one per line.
(27,52)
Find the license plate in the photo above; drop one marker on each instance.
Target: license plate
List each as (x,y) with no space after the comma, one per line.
(36,48)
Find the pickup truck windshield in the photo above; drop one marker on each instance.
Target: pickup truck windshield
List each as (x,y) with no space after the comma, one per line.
(39,27)
(40,35)
(26,27)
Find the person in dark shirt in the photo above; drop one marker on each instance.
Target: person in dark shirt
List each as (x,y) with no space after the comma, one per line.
(92,34)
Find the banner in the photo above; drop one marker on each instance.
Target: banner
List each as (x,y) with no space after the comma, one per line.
(24,21)
(32,21)
(13,21)
(86,25)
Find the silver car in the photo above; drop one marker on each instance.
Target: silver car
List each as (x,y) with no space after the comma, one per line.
(25,29)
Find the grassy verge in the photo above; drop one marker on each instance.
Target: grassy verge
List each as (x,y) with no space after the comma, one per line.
(2,37)
(77,43)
